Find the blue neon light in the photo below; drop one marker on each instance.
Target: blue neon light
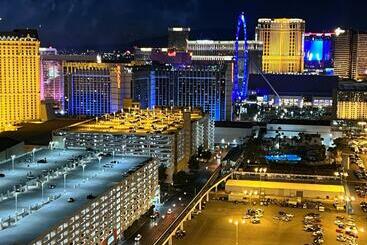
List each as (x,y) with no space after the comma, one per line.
(284,157)
(318,52)
(314,50)
(238,94)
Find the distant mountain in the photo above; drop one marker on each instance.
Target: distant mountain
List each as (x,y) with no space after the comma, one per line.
(211,34)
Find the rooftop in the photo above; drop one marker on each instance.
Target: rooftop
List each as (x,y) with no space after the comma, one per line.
(237,124)
(20,33)
(6,142)
(302,85)
(352,85)
(301,122)
(138,121)
(36,214)
(37,133)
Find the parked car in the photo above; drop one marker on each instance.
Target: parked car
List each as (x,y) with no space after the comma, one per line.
(138,238)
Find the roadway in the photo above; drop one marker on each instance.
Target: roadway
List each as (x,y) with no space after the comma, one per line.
(150,233)
(152,230)
(177,203)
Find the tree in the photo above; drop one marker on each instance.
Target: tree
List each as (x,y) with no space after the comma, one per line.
(162,173)
(181,178)
(340,143)
(193,163)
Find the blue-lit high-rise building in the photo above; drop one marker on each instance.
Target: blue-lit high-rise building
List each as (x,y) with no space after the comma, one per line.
(93,89)
(208,87)
(319,52)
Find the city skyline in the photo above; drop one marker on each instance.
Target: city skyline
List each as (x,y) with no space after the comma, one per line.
(117,24)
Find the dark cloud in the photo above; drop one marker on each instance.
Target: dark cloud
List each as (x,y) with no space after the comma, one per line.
(95,23)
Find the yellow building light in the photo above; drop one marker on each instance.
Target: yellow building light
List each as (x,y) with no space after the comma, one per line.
(19,78)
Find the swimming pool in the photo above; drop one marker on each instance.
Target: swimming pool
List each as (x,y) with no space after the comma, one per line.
(284,157)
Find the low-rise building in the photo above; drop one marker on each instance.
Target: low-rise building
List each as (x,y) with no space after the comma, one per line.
(74,196)
(247,189)
(170,135)
(292,128)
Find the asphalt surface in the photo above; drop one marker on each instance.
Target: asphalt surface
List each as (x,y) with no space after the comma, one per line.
(151,233)
(213,226)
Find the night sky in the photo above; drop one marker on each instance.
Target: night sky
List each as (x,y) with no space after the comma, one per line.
(115,23)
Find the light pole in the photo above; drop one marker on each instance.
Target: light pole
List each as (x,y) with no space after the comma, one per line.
(113,155)
(83,166)
(51,144)
(42,183)
(65,174)
(343,176)
(16,202)
(99,161)
(12,161)
(236,223)
(260,171)
(33,153)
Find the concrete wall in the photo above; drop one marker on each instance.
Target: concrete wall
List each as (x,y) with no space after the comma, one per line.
(224,135)
(237,191)
(14,150)
(291,130)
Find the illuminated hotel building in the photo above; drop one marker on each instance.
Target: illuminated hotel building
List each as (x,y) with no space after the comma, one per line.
(351,54)
(52,79)
(208,87)
(283,44)
(351,100)
(52,85)
(19,77)
(318,50)
(170,135)
(213,52)
(143,55)
(92,89)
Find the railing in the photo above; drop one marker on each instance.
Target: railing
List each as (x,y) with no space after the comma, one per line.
(193,203)
(187,209)
(286,176)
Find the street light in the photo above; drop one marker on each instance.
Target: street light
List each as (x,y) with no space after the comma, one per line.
(33,153)
(12,161)
(83,166)
(16,203)
(99,160)
(260,171)
(42,183)
(65,174)
(236,223)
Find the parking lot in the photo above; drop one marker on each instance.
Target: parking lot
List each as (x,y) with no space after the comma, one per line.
(217,225)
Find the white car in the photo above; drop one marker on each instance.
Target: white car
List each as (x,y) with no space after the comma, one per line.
(138,238)
(289,215)
(169,211)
